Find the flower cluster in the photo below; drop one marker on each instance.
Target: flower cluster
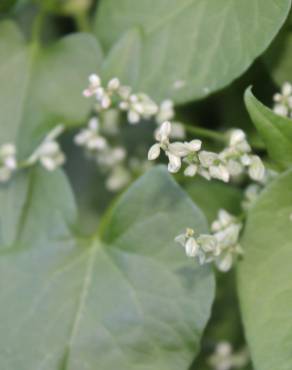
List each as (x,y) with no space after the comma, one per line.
(225,359)
(48,154)
(230,162)
(283,101)
(111,99)
(221,247)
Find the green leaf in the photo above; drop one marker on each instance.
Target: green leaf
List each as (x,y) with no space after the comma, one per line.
(42,87)
(188,51)
(210,196)
(278,56)
(275,130)
(265,277)
(123,60)
(127,298)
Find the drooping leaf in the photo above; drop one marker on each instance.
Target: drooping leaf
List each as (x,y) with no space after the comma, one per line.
(265,277)
(127,298)
(42,87)
(275,130)
(188,50)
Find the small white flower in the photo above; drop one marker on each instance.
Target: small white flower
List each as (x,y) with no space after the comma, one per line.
(191,170)
(8,162)
(251,194)
(224,357)
(174,164)
(94,84)
(114,84)
(118,179)
(283,100)
(191,247)
(90,137)
(178,131)
(256,169)
(162,134)
(165,111)
(154,152)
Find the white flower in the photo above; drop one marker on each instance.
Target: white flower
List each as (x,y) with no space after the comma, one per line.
(251,194)
(165,111)
(90,138)
(154,152)
(256,169)
(94,85)
(8,162)
(118,179)
(224,357)
(49,153)
(223,220)
(111,157)
(138,106)
(191,170)
(283,100)
(174,164)
(177,131)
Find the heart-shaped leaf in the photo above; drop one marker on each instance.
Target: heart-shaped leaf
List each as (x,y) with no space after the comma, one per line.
(192,47)
(126,298)
(265,277)
(275,130)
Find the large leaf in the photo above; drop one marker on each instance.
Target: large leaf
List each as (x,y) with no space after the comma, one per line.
(128,298)
(193,47)
(275,130)
(41,87)
(265,277)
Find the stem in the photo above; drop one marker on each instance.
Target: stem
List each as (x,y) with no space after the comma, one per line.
(82,22)
(206,133)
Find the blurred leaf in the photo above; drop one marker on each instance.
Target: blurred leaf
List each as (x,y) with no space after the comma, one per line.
(188,52)
(42,87)
(127,297)
(278,56)
(265,276)
(210,196)
(6,5)
(123,60)
(275,130)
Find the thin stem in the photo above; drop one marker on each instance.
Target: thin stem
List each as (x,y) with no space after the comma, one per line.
(206,133)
